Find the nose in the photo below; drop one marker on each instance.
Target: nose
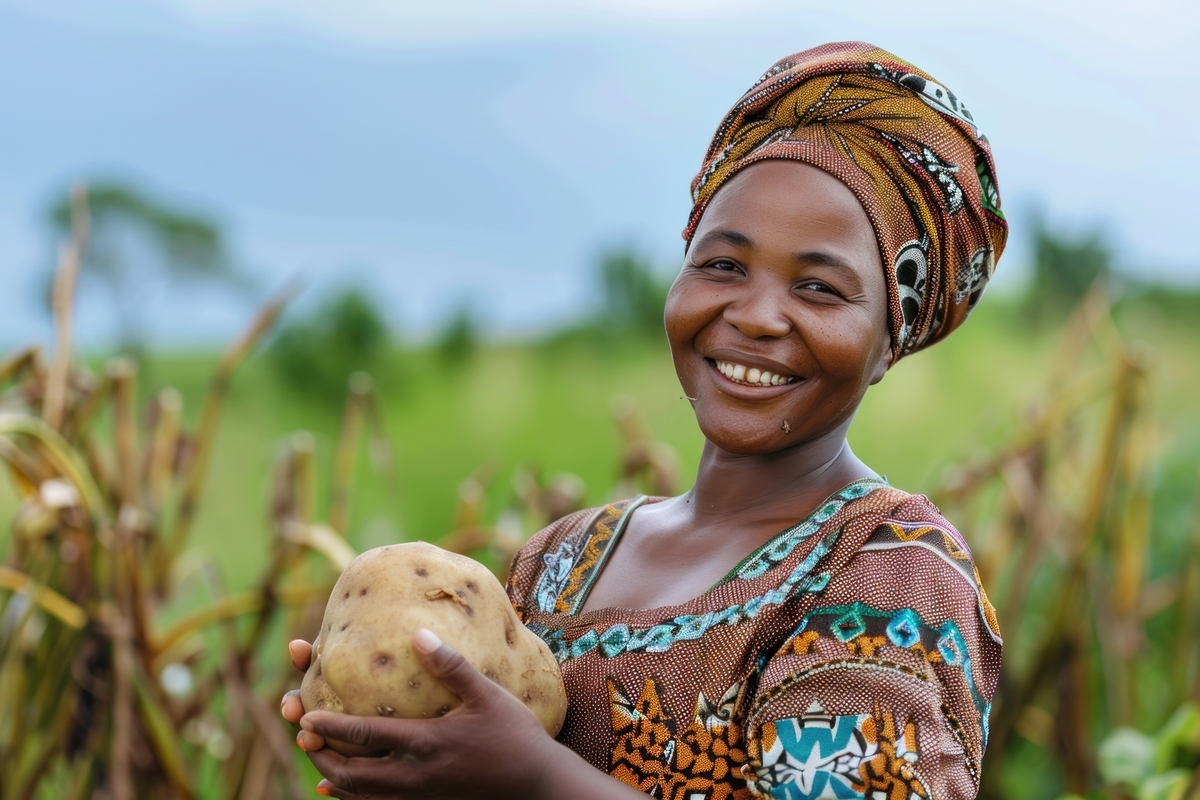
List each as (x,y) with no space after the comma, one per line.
(758,313)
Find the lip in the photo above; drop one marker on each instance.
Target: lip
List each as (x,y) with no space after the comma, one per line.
(744,391)
(758,362)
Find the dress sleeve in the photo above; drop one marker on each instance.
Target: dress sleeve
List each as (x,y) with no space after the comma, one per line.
(529,561)
(883,688)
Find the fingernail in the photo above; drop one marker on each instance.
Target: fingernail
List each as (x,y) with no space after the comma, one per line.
(300,741)
(426,641)
(321,790)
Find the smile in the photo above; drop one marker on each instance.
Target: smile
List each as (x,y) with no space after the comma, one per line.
(752,376)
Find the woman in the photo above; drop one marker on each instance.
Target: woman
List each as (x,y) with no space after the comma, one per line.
(846,215)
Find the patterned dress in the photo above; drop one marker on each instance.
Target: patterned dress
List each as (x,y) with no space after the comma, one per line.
(854,655)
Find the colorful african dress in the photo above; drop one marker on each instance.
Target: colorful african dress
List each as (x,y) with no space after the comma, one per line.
(852,656)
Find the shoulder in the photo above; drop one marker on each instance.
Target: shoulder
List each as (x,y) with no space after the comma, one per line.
(556,558)
(920,546)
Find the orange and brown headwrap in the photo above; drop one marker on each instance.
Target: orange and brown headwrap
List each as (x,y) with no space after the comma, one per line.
(906,147)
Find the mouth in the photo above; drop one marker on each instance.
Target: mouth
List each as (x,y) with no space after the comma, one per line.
(751,376)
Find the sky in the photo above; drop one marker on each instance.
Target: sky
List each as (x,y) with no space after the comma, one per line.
(466,151)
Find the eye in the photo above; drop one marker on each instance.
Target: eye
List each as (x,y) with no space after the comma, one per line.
(723,265)
(817,286)
(720,268)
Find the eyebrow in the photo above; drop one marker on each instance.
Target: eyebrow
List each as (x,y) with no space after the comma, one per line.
(728,236)
(826,259)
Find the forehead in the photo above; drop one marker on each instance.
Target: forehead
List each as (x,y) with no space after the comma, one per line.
(794,207)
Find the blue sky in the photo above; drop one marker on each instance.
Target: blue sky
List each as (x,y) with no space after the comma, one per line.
(484,151)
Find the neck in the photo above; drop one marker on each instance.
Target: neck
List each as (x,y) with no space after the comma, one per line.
(784,484)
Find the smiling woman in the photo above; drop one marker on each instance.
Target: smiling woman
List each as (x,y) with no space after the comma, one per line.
(783,278)
(792,627)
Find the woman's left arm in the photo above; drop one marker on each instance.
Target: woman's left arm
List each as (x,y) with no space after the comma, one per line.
(884,687)
(491,746)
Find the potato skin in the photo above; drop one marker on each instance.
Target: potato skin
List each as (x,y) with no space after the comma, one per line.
(363,661)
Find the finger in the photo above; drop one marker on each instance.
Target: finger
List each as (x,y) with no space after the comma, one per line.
(451,668)
(365,776)
(373,733)
(301,653)
(326,789)
(291,707)
(309,742)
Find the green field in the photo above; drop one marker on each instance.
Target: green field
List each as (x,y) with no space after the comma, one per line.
(548,404)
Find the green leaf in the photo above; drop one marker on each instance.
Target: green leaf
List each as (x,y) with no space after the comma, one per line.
(1181,731)
(1167,786)
(163,737)
(1127,756)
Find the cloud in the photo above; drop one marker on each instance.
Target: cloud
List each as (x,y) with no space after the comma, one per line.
(385,22)
(1093,29)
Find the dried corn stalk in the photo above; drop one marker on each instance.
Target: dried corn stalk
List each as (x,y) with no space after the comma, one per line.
(1060,523)
(98,697)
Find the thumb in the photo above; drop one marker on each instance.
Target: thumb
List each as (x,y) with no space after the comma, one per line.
(451,668)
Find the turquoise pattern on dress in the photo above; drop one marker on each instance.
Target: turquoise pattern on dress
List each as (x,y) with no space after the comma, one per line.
(819,761)
(621,638)
(904,628)
(782,545)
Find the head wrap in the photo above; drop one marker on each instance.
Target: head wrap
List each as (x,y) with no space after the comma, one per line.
(908,149)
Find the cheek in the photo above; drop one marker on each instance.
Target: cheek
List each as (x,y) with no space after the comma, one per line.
(684,315)
(846,351)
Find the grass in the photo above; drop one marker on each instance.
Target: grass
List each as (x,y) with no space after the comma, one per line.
(548,405)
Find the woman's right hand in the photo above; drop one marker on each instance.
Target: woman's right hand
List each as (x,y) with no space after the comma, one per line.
(566,773)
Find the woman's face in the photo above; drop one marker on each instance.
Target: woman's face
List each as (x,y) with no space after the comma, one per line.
(778,319)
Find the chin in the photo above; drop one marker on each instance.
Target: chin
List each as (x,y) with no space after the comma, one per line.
(742,440)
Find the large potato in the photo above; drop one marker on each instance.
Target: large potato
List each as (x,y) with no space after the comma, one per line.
(363,661)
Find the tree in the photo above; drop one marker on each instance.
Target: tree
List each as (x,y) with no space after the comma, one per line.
(460,338)
(135,238)
(1065,266)
(317,354)
(634,297)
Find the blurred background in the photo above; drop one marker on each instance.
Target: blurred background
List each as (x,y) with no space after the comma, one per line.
(468,214)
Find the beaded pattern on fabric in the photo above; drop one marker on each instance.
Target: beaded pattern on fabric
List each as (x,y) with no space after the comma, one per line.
(570,566)
(620,638)
(864,630)
(871,681)
(909,150)
(819,755)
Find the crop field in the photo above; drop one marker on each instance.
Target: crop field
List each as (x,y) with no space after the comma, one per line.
(547,408)
(550,406)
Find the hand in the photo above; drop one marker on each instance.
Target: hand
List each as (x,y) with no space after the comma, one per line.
(291,707)
(491,746)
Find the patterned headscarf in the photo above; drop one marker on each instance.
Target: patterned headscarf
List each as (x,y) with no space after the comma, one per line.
(908,149)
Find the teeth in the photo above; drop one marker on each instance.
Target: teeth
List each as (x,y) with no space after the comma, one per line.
(752,376)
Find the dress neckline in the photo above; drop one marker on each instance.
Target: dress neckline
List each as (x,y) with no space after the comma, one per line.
(756,555)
